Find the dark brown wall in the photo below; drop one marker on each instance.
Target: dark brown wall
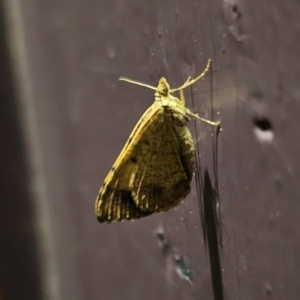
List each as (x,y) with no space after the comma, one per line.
(70,118)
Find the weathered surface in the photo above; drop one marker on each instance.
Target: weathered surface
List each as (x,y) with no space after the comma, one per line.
(68,55)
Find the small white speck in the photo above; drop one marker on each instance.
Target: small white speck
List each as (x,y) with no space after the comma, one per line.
(111,51)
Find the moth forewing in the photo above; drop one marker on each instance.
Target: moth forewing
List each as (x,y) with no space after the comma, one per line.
(154,170)
(113,190)
(160,181)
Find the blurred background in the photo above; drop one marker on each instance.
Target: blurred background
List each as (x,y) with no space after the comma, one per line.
(64,117)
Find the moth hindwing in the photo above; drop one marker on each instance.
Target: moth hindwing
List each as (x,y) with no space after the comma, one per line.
(154,170)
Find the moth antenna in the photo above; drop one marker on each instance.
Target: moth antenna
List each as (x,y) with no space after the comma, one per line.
(138,83)
(191,81)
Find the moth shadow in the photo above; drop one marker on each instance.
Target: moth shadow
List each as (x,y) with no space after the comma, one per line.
(212,231)
(210,216)
(209,205)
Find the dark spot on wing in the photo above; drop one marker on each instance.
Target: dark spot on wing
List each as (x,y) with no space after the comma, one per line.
(133,159)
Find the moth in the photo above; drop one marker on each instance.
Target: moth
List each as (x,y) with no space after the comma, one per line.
(153,172)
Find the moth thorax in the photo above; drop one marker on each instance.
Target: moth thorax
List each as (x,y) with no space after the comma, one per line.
(163,100)
(163,87)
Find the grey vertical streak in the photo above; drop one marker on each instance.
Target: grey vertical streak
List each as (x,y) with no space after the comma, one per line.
(28,116)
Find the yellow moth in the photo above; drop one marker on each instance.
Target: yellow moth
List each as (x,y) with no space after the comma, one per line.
(153,172)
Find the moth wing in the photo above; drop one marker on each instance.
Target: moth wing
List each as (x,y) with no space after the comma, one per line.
(116,203)
(161,180)
(115,199)
(148,176)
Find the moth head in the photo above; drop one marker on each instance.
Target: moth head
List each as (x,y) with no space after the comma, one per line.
(163,87)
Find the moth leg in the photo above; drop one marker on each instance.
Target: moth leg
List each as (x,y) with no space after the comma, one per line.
(182,98)
(196,116)
(192,81)
(209,122)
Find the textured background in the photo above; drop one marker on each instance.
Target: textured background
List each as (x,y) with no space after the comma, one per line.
(64,118)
